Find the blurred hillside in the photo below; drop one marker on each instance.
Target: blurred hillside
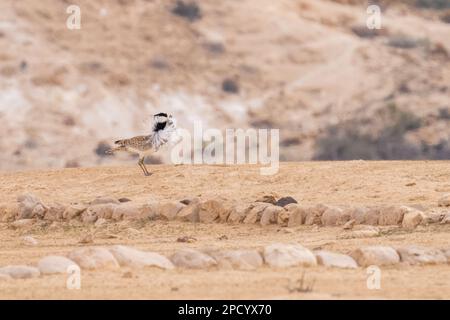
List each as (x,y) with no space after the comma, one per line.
(309,67)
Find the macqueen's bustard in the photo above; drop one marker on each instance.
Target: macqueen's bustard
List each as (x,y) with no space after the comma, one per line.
(164,126)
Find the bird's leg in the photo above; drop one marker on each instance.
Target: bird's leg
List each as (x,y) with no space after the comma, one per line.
(143,167)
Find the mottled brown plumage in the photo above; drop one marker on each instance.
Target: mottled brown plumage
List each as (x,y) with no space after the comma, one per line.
(163,127)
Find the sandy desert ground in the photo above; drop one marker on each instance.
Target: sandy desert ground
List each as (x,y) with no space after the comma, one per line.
(417,184)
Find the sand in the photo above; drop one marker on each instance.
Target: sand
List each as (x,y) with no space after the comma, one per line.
(338,183)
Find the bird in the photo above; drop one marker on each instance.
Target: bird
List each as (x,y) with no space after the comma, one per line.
(164,126)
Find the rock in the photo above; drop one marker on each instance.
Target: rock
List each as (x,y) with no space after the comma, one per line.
(446,219)
(123,200)
(421,255)
(358,214)
(129,257)
(392,215)
(375,255)
(270,215)
(87,239)
(100,222)
(8,213)
(169,210)
(331,259)
(186,239)
(104,211)
(55,212)
(29,241)
(189,213)
(55,264)
(27,203)
(282,202)
(432,217)
(412,219)
(314,215)
(280,255)
(446,253)
(444,201)
(255,211)
(73,211)
(349,224)
(363,232)
(192,259)
(344,217)
(22,223)
(104,200)
(283,218)
(20,272)
(39,211)
(94,258)
(210,211)
(237,259)
(237,214)
(133,212)
(297,215)
(331,216)
(267,199)
(372,216)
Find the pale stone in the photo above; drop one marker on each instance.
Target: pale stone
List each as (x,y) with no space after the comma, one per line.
(237,214)
(361,232)
(73,211)
(169,210)
(314,215)
(27,203)
(129,257)
(444,201)
(91,214)
(104,200)
(55,212)
(349,225)
(412,219)
(210,211)
(192,259)
(237,259)
(392,215)
(358,214)
(375,255)
(344,217)
(421,255)
(22,223)
(283,218)
(372,216)
(100,222)
(55,264)
(297,214)
(270,215)
(20,272)
(132,212)
(337,260)
(254,212)
(94,258)
(29,241)
(280,255)
(331,216)
(189,213)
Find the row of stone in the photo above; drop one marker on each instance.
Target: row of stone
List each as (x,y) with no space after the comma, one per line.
(215,210)
(276,255)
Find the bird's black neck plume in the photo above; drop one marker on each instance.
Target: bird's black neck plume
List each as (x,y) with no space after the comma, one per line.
(160,126)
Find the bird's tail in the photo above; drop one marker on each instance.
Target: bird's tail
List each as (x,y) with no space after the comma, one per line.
(114,150)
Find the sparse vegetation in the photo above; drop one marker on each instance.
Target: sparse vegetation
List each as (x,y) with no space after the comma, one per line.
(433,4)
(346,141)
(230,86)
(406,42)
(190,11)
